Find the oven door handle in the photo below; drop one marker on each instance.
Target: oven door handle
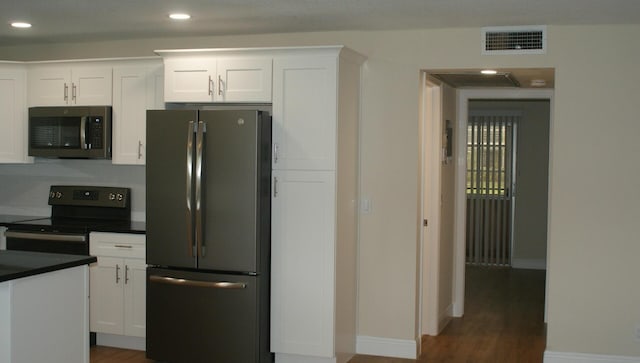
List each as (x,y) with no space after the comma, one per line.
(80,238)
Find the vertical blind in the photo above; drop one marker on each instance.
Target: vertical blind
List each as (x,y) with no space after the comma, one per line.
(490,142)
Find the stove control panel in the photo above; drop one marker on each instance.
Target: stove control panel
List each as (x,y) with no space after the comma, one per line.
(92,196)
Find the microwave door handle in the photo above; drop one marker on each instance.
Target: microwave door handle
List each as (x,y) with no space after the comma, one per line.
(83,133)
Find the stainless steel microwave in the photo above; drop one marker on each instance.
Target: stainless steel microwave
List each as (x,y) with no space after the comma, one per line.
(76,132)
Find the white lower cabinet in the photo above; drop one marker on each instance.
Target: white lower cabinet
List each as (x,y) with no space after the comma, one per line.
(118,284)
(302,264)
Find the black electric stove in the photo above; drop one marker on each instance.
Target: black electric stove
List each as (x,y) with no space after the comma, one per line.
(75,211)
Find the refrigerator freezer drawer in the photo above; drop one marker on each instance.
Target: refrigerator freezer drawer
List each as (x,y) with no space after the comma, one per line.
(197,317)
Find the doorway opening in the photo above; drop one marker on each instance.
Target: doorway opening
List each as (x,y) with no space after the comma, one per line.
(490,154)
(443,281)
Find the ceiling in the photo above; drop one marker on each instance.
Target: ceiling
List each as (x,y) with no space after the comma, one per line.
(505,78)
(87,20)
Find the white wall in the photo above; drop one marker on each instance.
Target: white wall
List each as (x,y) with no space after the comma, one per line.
(24,189)
(594,178)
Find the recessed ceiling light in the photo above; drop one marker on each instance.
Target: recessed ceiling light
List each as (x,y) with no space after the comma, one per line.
(20,24)
(488,71)
(179,16)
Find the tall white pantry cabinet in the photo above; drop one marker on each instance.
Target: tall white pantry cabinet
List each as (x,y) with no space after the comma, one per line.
(314,204)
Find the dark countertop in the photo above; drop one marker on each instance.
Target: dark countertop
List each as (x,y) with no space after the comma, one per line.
(129,227)
(19,264)
(6,219)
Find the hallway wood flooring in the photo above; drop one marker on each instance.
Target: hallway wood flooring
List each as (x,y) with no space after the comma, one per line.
(503,323)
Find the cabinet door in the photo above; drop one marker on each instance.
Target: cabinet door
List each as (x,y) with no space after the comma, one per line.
(304,113)
(106,294)
(244,80)
(189,79)
(91,86)
(13,123)
(303,264)
(135,89)
(49,86)
(135,297)
(129,114)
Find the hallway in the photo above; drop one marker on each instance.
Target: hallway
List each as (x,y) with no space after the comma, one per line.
(503,322)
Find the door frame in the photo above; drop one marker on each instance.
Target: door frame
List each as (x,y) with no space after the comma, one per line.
(430,157)
(464,95)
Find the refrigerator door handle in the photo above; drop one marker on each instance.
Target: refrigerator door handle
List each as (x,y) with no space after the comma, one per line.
(195,283)
(190,241)
(202,129)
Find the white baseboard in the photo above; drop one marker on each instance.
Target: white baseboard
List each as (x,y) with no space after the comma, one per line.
(564,357)
(529,263)
(121,341)
(386,347)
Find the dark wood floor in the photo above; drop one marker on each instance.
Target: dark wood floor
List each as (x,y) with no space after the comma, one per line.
(503,322)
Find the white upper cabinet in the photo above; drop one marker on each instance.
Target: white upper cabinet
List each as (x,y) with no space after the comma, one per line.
(66,84)
(189,79)
(244,80)
(136,89)
(304,113)
(14,116)
(194,77)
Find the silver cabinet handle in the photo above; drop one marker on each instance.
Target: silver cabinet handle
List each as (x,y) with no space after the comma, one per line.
(73,92)
(139,149)
(117,273)
(275,186)
(219,85)
(66,92)
(126,274)
(275,153)
(210,86)
(190,241)
(195,283)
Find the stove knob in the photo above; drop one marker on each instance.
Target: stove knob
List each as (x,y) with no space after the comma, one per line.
(112,196)
(120,197)
(58,195)
(52,195)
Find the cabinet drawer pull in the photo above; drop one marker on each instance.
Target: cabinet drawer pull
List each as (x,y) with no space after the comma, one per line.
(124,246)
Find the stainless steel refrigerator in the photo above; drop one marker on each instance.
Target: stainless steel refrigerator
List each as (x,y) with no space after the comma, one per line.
(208,180)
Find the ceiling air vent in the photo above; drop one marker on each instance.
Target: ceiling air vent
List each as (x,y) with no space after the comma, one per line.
(514,40)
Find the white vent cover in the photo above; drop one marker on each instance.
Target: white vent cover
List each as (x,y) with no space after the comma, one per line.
(514,40)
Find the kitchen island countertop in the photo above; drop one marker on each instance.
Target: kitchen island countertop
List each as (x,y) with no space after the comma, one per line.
(19,264)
